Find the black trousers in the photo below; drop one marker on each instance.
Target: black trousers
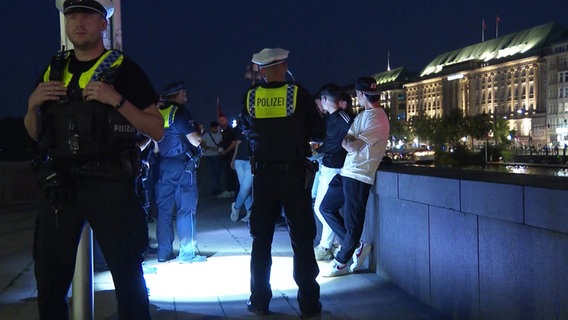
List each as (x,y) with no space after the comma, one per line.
(275,188)
(119,225)
(229,175)
(351,195)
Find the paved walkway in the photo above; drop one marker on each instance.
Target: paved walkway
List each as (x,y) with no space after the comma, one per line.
(215,289)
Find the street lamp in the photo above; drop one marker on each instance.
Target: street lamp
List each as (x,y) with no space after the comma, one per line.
(530,139)
(494,117)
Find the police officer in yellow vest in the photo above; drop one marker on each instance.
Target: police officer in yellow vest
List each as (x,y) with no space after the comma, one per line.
(177,179)
(85,113)
(279,119)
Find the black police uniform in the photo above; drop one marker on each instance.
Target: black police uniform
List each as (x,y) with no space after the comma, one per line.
(280,146)
(87,171)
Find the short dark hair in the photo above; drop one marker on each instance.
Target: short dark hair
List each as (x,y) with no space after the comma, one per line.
(372,98)
(331,90)
(213,124)
(344,96)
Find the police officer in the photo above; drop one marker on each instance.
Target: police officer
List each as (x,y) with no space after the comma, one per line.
(177,178)
(279,119)
(85,113)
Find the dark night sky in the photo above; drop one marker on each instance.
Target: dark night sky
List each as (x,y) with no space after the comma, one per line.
(209,43)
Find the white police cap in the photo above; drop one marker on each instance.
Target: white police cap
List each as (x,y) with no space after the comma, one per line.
(103,7)
(269,57)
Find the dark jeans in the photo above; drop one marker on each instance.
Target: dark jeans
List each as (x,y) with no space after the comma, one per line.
(213,167)
(274,188)
(119,225)
(230,175)
(352,195)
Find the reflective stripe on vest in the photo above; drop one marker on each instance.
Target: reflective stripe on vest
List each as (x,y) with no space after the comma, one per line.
(110,59)
(85,128)
(263,103)
(169,115)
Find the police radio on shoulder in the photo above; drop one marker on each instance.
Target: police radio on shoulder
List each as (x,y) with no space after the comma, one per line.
(120,103)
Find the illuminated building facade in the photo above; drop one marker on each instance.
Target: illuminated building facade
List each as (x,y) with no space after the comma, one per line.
(556,78)
(393,94)
(505,77)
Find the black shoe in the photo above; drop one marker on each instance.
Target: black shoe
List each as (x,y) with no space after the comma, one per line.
(171,256)
(256,310)
(312,312)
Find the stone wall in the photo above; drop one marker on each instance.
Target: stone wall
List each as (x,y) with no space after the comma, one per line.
(473,245)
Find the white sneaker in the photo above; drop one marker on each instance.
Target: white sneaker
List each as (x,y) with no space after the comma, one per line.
(335,248)
(235,213)
(322,253)
(196,258)
(360,255)
(335,269)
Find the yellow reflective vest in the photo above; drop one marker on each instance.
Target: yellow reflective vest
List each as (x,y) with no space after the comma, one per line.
(263,103)
(110,59)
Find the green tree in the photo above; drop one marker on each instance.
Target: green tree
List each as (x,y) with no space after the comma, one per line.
(398,130)
(478,126)
(453,126)
(438,133)
(421,126)
(500,130)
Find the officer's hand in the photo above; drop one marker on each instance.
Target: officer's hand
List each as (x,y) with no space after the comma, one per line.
(101,92)
(46,91)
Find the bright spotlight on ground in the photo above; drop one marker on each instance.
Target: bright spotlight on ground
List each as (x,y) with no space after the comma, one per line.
(223,276)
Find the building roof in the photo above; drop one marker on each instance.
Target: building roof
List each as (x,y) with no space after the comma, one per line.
(509,47)
(396,77)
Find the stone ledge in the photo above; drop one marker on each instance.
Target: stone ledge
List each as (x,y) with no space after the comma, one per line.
(532,180)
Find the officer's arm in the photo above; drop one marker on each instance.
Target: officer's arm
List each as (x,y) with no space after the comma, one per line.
(31,123)
(194,138)
(143,143)
(44,92)
(148,121)
(316,122)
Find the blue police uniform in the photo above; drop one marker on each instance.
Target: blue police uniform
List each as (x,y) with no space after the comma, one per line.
(176,185)
(279,118)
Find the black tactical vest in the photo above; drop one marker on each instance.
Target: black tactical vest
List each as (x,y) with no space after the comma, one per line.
(73,129)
